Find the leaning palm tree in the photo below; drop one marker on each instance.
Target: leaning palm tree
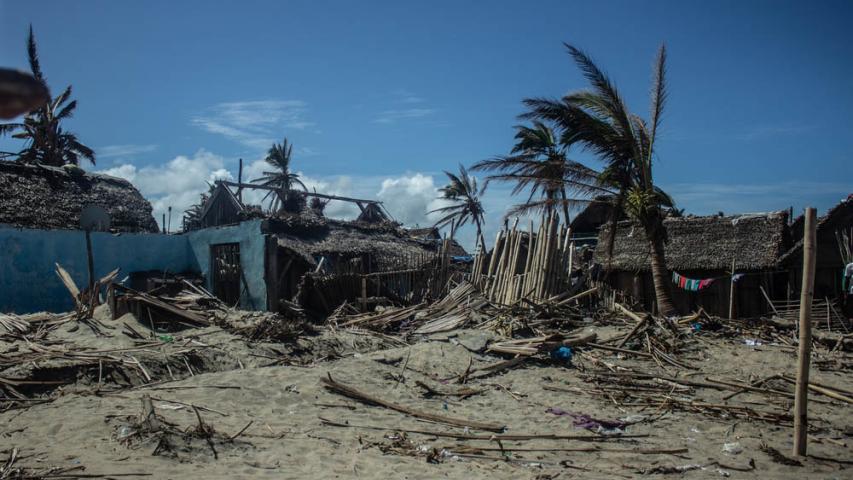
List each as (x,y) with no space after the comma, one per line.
(47,142)
(281,179)
(599,120)
(463,192)
(539,164)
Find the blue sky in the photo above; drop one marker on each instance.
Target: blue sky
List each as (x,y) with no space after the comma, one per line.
(380,97)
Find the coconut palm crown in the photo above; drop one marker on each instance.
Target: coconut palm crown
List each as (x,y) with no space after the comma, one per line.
(465,206)
(598,120)
(281,178)
(47,142)
(539,164)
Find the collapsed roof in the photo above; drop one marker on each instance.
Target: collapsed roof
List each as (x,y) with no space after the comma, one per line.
(44,197)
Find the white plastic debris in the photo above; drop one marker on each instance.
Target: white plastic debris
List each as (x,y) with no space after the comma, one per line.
(733,448)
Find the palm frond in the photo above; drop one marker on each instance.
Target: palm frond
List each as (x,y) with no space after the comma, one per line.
(33,56)
(659,92)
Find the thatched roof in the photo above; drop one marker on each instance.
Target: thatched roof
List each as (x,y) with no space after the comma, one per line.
(44,197)
(754,241)
(387,248)
(837,217)
(429,233)
(591,218)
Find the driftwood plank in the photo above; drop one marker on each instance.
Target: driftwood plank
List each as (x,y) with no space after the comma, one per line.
(351,392)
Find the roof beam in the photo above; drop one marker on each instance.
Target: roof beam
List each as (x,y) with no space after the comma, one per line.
(310,194)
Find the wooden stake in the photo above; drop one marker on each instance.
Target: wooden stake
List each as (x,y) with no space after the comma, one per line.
(732,291)
(806,295)
(91,261)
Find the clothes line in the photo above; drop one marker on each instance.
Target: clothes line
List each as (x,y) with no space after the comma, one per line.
(696,284)
(691,284)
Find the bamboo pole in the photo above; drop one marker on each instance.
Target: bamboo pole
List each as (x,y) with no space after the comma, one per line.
(492,263)
(732,291)
(804,356)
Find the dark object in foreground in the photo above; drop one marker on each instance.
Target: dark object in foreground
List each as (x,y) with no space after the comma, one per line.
(19,93)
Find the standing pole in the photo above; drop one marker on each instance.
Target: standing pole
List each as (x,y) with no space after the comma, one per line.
(169,225)
(801,424)
(240,182)
(91,261)
(732,291)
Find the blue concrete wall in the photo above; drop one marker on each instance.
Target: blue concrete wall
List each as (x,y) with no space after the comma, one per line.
(28,280)
(248,235)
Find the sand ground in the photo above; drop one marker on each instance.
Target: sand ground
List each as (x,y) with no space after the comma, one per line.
(278,389)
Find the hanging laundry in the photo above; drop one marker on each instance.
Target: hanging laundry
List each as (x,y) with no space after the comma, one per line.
(691,284)
(737,276)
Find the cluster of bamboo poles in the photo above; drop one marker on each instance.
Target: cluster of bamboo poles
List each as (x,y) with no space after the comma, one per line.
(414,283)
(823,313)
(531,265)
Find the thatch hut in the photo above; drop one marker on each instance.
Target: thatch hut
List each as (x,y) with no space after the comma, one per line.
(828,262)
(596,214)
(51,198)
(705,248)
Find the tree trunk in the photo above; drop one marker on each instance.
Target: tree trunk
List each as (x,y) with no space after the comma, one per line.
(480,235)
(660,275)
(565,206)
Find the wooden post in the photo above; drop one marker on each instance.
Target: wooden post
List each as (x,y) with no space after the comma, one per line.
(91,261)
(801,424)
(364,293)
(240,181)
(732,291)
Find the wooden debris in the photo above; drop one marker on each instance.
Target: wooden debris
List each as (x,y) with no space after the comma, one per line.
(373,400)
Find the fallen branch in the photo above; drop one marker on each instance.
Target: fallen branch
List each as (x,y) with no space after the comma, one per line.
(348,391)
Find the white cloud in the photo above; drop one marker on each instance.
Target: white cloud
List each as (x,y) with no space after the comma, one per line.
(118,151)
(256,124)
(408,197)
(393,116)
(177,183)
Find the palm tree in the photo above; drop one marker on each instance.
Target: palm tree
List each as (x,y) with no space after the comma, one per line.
(463,192)
(192,215)
(47,142)
(538,162)
(599,120)
(282,179)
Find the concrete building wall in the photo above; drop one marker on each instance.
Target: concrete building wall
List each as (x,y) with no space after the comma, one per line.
(252,252)
(28,280)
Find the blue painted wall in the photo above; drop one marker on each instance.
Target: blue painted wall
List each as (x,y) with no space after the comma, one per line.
(28,280)
(248,235)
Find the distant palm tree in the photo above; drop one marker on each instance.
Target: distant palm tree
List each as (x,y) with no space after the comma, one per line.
(48,143)
(538,162)
(282,179)
(192,215)
(463,192)
(599,120)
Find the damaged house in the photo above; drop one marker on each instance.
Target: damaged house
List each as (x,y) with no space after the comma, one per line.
(260,260)
(705,248)
(244,257)
(40,209)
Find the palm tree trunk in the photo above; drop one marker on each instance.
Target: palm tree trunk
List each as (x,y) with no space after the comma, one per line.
(565,206)
(660,274)
(480,235)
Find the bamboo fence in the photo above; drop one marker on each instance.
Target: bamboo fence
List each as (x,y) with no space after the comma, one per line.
(534,265)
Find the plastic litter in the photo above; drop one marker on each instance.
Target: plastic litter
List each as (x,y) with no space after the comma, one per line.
(562,354)
(733,448)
